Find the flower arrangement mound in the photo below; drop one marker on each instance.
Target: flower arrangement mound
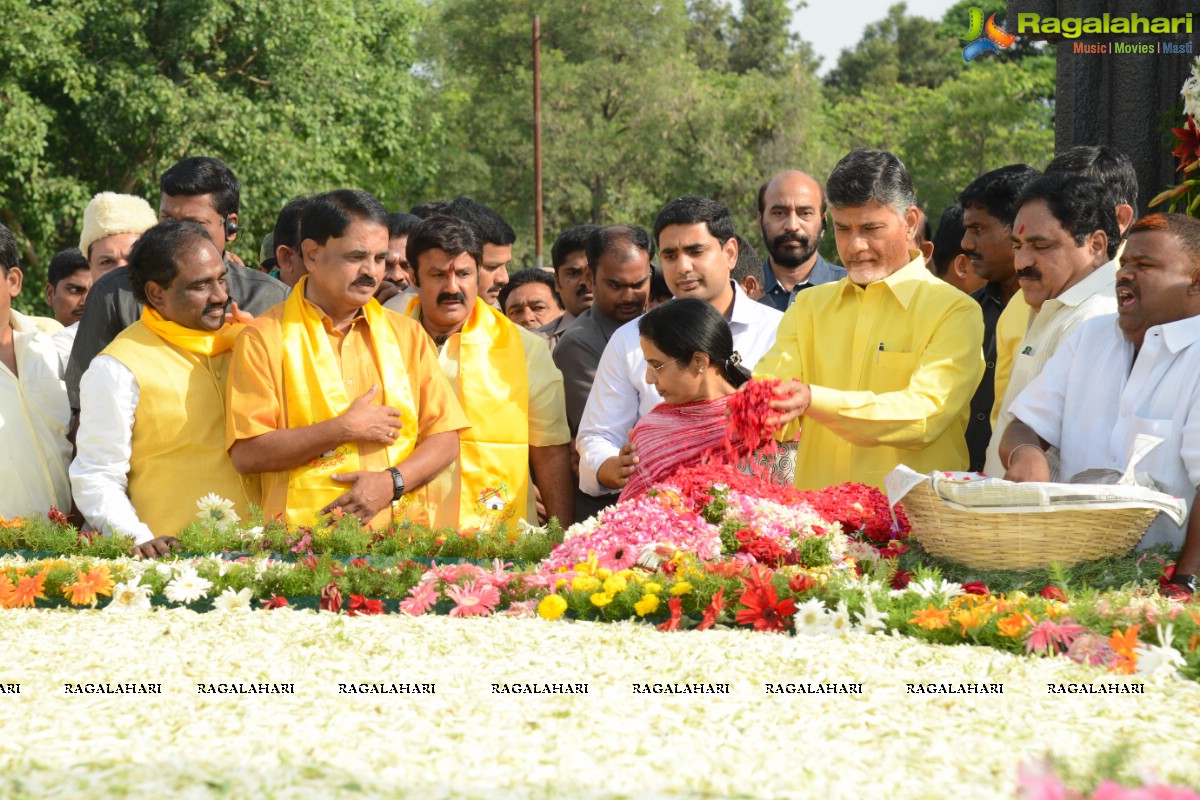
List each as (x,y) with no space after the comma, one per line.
(709,548)
(322,743)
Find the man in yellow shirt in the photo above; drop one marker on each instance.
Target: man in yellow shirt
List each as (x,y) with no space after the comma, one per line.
(337,402)
(881,365)
(152,422)
(508,384)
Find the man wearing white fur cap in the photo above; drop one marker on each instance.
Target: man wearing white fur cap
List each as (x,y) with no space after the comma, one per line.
(198,189)
(111,224)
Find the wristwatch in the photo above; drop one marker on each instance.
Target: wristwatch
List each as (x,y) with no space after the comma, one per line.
(397,484)
(1187,582)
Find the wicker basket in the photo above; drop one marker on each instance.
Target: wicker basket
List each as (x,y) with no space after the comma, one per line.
(1025,540)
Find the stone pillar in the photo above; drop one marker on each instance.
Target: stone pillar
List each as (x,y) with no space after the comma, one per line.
(1122,100)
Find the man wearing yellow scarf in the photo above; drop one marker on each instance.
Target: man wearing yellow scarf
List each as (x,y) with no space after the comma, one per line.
(152,422)
(339,404)
(508,385)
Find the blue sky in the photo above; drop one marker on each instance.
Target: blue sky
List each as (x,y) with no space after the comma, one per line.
(832,26)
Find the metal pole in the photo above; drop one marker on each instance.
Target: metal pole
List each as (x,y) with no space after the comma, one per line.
(537,138)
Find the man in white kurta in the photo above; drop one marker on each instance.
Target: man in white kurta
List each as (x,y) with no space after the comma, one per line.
(1118,376)
(34,452)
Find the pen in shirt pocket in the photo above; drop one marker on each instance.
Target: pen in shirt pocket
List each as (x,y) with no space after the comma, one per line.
(877,352)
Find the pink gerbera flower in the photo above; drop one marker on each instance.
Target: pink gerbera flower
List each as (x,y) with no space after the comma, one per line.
(420,599)
(1049,637)
(473,599)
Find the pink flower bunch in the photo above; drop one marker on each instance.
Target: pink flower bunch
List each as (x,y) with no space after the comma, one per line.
(788,525)
(628,529)
(1038,782)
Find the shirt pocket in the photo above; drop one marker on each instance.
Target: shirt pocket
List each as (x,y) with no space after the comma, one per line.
(893,371)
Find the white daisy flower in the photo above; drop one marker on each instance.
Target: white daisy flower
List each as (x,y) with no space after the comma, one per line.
(229,600)
(188,587)
(129,597)
(812,619)
(870,620)
(217,511)
(839,620)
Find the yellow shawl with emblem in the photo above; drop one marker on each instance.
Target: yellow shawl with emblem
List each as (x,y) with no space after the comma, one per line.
(315,392)
(494,391)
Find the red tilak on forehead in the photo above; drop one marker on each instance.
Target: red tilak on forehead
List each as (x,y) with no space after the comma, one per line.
(1020,230)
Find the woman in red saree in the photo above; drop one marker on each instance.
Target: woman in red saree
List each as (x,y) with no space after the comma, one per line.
(691,361)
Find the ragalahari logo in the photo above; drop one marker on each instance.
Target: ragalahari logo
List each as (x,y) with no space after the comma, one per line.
(981,38)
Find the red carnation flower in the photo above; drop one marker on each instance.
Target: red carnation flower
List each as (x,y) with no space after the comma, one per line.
(713,610)
(275,602)
(361,605)
(675,604)
(1054,593)
(57,517)
(900,579)
(975,587)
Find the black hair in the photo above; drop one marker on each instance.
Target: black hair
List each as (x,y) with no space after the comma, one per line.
(1112,168)
(864,175)
(572,240)
(686,326)
(526,276)
(429,208)
(1081,206)
(287,224)
(611,238)
(448,234)
(401,224)
(203,175)
(327,215)
(153,257)
(997,192)
(947,241)
(659,291)
(692,210)
(748,262)
(491,225)
(65,264)
(9,256)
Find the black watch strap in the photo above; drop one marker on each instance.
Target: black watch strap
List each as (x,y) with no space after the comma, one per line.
(397,484)
(1186,581)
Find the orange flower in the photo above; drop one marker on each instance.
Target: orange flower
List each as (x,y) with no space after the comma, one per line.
(7,591)
(1013,625)
(1124,647)
(971,619)
(931,618)
(28,590)
(15,522)
(97,581)
(1193,643)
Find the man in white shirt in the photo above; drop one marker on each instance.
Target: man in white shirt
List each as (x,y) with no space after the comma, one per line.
(1119,376)
(34,413)
(1065,240)
(697,249)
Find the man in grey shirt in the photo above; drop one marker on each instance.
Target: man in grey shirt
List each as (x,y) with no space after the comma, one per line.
(202,190)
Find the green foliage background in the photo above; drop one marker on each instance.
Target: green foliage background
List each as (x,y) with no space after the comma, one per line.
(643,100)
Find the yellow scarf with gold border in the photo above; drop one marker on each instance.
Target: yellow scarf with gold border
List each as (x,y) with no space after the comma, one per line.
(494,392)
(315,392)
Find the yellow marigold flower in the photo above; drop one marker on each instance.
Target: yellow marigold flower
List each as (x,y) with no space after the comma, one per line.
(561,582)
(931,618)
(603,573)
(614,584)
(647,605)
(970,619)
(601,599)
(1013,625)
(585,583)
(627,574)
(681,588)
(551,607)
(650,587)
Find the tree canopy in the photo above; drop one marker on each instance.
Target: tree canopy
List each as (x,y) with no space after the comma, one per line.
(643,100)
